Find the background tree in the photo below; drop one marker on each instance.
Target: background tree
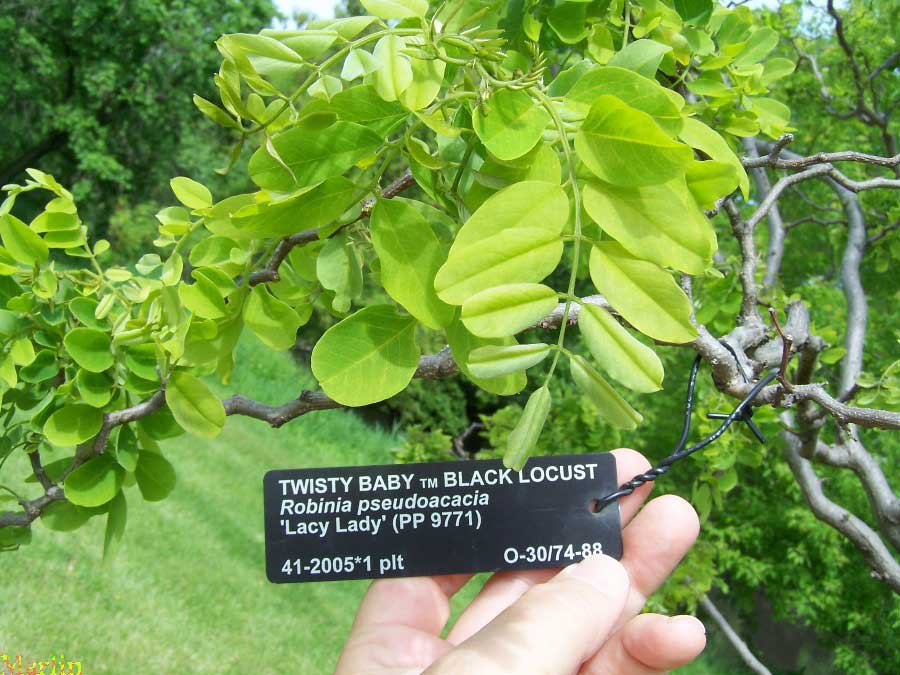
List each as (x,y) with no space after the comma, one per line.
(99,94)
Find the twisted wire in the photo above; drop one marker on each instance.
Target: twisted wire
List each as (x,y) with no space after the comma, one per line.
(741,412)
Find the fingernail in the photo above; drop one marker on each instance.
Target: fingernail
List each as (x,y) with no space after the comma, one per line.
(689,621)
(600,571)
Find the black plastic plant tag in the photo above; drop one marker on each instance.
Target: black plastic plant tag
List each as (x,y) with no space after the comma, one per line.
(400,520)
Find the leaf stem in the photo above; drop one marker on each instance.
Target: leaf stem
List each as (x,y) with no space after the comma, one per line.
(576,248)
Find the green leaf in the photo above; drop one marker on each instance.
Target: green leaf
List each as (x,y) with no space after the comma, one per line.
(618,352)
(521,255)
(600,44)
(73,424)
(358,63)
(95,482)
(13,536)
(116,517)
(644,294)
(64,516)
(309,43)
(8,371)
(396,9)
(776,69)
(496,361)
(194,406)
(127,450)
(312,156)
(410,255)
(695,12)
(338,269)
(271,320)
(42,368)
(89,348)
(395,72)
(215,113)
(428,75)
(191,193)
(513,237)
(636,90)
(660,223)
(21,243)
(22,352)
(368,357)
(364,106)
(524,437)
(567,21)
(625,146)
(8,264)
(702,500)
(311,208)
(608,402)
(348,28)
(510,123)
(641,56)
(774,116)
(95,388)
(710,84)
(763,41)
(326,87)
(507,309)
(696,134)
(84,309)
(833,355)
(710,180)
(171,272)
(463,343)
(202,298)
(155,476)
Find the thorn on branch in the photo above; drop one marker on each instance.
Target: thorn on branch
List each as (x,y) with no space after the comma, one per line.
(786,343)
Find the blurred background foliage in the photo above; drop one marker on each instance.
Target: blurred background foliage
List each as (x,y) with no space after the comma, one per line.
(105,105)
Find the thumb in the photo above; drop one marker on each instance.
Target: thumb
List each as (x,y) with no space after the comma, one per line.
(552,628)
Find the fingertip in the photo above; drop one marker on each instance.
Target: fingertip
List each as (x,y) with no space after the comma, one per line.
(632,461)
(664,643)
(680,511)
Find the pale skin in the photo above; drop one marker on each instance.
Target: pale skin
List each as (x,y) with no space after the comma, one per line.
(584,619)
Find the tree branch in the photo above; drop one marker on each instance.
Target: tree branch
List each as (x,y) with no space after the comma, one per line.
(743,232)
(849,453)
(731,635)
(884,566)
(777,229)
(754,161)
(269,273)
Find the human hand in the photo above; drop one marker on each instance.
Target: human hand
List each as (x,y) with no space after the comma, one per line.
(584,619)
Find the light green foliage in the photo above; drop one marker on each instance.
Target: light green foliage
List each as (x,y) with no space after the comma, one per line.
(508,309)
(510,123)
(625,146)
(524,437)
(410,254)
(618,352)
(523,177)
(194,406)
(643,293)
(369,356)
(73,424)
(495,361)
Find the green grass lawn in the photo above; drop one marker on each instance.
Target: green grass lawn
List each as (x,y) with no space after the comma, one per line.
(187,591)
